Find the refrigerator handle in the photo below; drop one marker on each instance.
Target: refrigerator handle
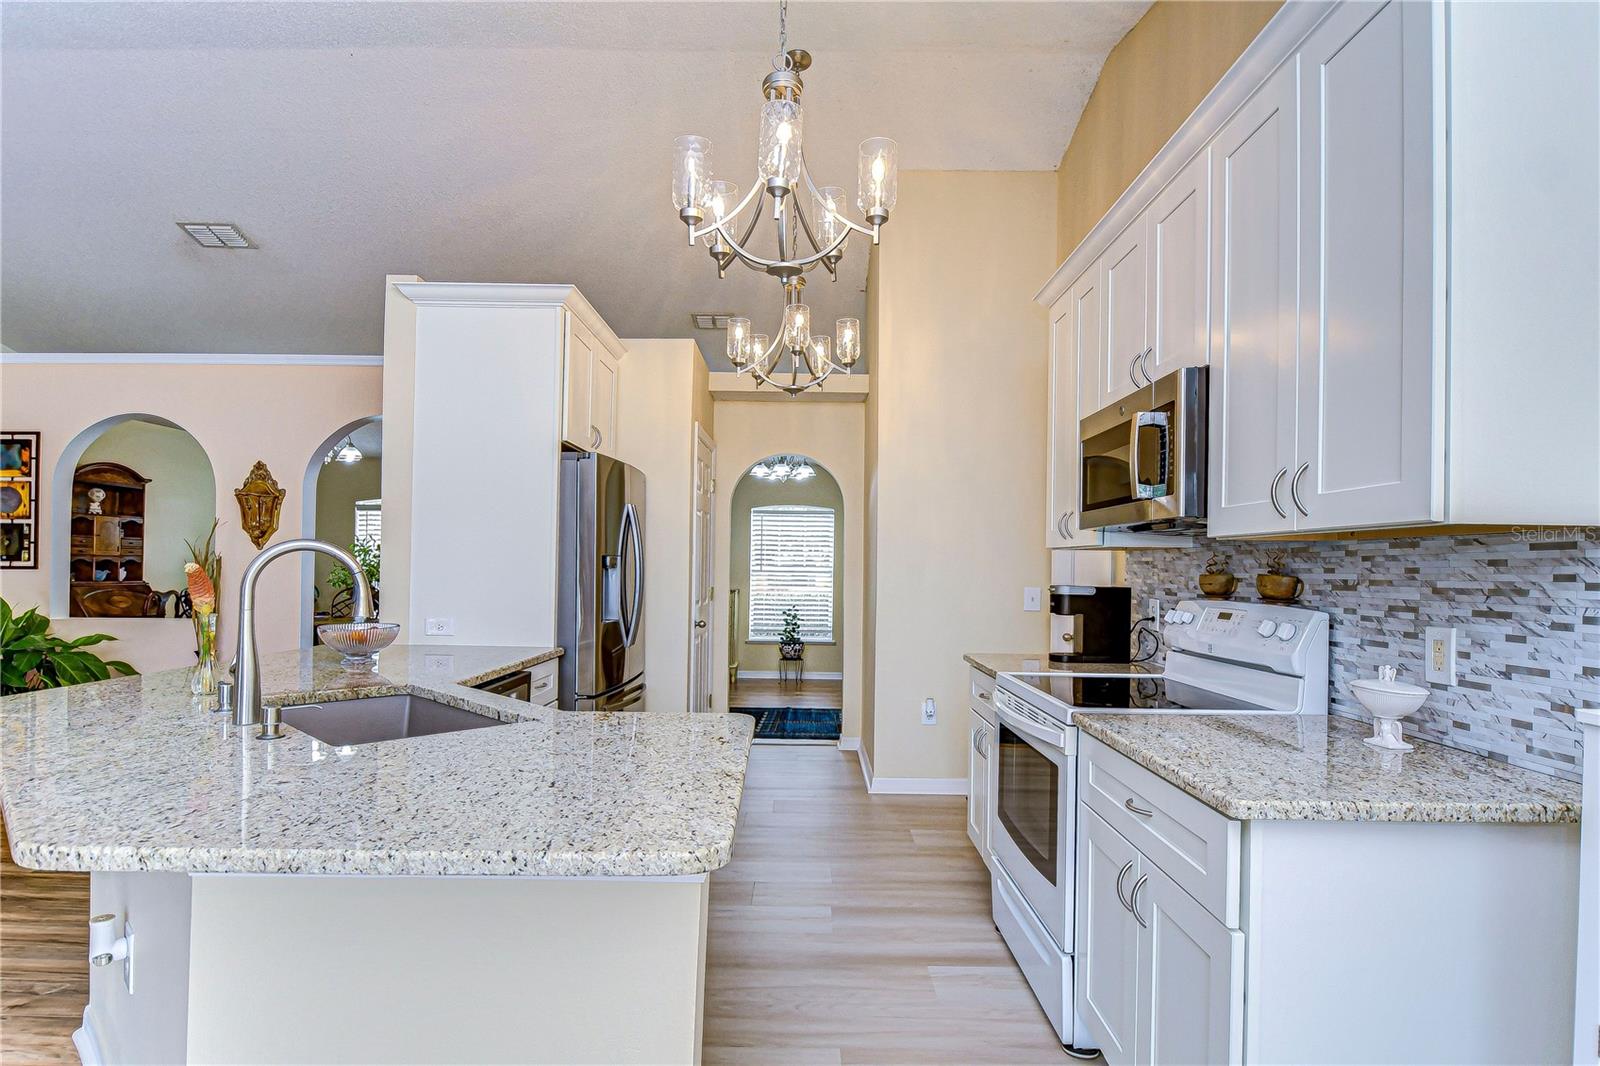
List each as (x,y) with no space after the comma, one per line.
(630,532)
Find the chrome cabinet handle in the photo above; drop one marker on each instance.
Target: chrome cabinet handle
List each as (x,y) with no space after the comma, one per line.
(1276,506)
(700,624)
(1064,526)
(983,742)
(1133,900)
(1131,367)
(595,436)
(1144,357)
(983,695)
(1294,489)
(1136,809)
(1120,875)
(975,749)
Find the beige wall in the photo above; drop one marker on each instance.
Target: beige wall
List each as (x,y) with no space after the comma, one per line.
(662,393)
(819,491)
(1150,83)
(959,394)
(339,486)
(238,414)
(832,434)
(179,502)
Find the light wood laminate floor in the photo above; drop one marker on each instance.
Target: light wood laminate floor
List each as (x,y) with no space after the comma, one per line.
(847,929)
(852,928)
(767,692)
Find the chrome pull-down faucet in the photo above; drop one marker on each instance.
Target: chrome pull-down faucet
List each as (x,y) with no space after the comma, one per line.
(246,666)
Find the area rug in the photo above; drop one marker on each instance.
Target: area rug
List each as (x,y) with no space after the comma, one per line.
(793,723)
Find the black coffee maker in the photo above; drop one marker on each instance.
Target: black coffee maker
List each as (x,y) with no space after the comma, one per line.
(1090,624)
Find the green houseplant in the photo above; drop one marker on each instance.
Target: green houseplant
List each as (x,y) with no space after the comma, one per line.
(30,658)
(790,646)
(370,555)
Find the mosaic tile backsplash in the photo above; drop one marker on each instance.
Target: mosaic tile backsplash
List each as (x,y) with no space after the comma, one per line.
(1526,610)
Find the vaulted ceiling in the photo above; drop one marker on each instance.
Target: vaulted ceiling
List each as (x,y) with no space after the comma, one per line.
(482,142)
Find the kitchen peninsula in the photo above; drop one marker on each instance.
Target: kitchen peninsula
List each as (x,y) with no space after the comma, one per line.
(532,891)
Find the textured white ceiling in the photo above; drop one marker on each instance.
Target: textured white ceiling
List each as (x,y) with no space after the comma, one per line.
(482,142)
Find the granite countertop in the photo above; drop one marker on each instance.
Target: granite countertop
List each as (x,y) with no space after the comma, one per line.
(135,774)
(1317,769)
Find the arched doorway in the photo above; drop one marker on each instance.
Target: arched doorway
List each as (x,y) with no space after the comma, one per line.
(786,593)
(344,506)
(131,493)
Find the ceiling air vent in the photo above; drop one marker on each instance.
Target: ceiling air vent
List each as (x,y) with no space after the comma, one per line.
(711,319)
(216,234)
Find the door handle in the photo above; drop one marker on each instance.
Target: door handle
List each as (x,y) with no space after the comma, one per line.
(1133,900)
(1136,809)
(701,624)
(1120,875)
(1294,489)
(1276,506)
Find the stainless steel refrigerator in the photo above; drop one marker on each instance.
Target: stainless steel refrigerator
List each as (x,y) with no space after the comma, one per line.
(600,620)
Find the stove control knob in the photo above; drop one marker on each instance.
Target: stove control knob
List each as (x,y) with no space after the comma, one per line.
(1285,630)
(1266,628)
(1171,615)
(1187,617)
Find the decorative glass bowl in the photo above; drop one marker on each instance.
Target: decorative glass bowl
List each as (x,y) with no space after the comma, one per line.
(359,642)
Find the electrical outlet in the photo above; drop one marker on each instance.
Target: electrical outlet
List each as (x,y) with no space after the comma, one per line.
(1030,599)
(1152,610)
(440,627)
(1439,655)
(930,712)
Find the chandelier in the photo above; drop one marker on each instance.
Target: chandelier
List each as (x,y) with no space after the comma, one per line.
(781,468)
(344,453)
(794,359)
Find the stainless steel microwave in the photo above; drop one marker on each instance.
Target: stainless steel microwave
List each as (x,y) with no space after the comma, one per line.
(1144,458)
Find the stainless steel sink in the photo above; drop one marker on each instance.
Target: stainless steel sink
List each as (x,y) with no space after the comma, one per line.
(376,718)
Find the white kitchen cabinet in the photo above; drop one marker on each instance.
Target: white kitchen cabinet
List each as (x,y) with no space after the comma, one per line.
(1190,977)
(1178,330)
(1253,314)
(1124,276)
(590,413)
(1366,448)
(979,796)
(1107,977)
(1075,338)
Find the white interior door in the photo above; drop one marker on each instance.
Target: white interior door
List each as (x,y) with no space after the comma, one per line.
(702,554)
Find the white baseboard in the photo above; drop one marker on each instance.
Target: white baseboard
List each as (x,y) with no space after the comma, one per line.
(866,763)
(849,743)
(918,786)
(773,675)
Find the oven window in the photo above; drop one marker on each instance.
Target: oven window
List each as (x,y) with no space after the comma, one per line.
(1027,803)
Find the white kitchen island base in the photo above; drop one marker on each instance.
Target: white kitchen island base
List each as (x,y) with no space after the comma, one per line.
(310,968)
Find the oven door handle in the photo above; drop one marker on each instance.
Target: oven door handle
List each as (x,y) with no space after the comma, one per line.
(1140,420)
(1055,738)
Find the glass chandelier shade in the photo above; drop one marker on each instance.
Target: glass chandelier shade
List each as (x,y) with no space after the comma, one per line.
(739,342)
(878,177)
(847,334)
(719,200)
(759,343)
(796,326)
(830,206)
(780,468)
(691,174)
(778,151)
(821,351)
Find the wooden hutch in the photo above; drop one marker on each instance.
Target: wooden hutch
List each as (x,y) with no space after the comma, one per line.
(108,547)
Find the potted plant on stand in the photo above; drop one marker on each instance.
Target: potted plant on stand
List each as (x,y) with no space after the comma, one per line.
(791,649)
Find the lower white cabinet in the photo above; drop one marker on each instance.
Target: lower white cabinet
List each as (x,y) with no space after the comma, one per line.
(979,795)
(1159,980)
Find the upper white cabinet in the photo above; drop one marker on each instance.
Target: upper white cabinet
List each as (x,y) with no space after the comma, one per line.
(1075,338)
(1125,278)
(1399,334)
(590,411)
(1253,317)
(1176,224)
(1365,448)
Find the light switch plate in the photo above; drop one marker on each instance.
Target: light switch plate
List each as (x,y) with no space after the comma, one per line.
(1152,610)
(1031,599)
(1439,655)
(440,627)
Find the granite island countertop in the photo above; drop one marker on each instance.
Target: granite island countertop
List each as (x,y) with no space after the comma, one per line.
(135,774)
(1317,769)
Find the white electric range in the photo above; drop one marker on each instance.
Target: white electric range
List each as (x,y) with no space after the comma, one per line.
(1222,658)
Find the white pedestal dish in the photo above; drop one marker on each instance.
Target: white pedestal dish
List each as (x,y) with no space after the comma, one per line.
(1388,701)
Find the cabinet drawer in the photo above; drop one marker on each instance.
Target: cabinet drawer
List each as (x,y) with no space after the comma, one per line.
(1192,844)
(982,697)
(542,688)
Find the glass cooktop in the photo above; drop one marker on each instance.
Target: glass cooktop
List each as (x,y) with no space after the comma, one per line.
(1135,693)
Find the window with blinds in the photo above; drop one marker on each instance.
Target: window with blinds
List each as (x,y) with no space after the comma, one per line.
(369,521)
(791,565)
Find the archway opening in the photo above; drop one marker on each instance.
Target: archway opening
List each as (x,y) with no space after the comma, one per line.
(786,615)
(343,493)
(132,494)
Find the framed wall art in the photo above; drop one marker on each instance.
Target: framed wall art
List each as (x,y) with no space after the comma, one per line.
(20,478)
